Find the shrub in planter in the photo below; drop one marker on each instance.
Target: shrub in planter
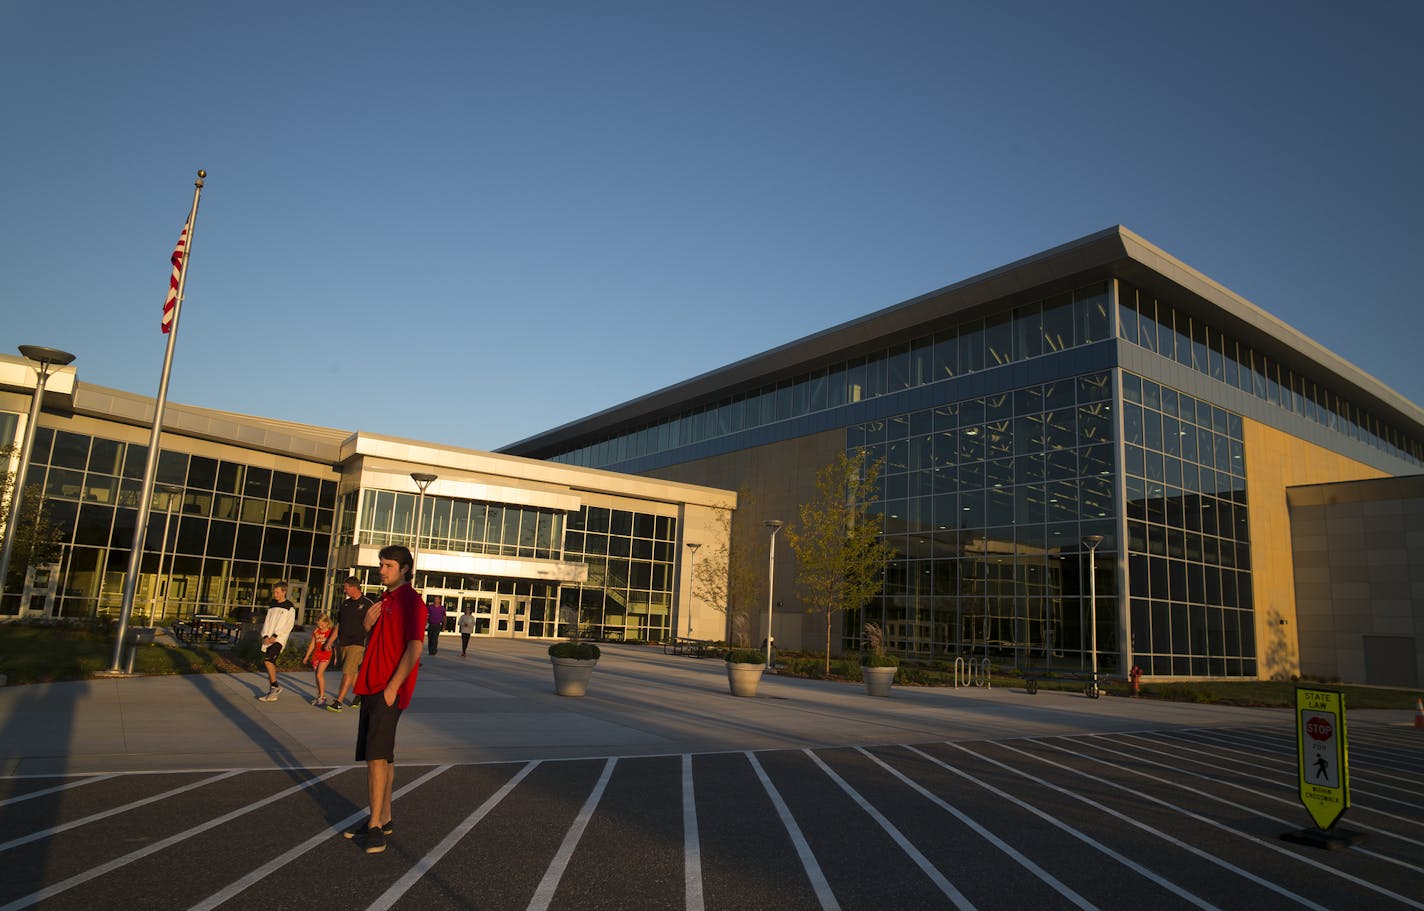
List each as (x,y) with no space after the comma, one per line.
(876,667)
(582,651)
(744,670)
(573,662)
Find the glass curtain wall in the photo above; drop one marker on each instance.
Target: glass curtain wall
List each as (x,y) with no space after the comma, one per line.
(220,533)
(460,526)
(1042,327)
(986,502)
(630,555)
(1156,325)
(1189,552)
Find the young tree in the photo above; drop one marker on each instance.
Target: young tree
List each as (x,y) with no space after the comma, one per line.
(840,554)
(37,539)
(727,577)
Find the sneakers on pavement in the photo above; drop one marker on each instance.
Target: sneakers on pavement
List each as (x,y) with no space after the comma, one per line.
(318,702)
(334,706)
(364,826)
(373,842)
(271,695)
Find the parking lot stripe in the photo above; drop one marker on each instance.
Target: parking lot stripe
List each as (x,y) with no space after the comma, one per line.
(813,869)
(547,886)
(1086,839)
(1259,842)
(1048,878)
(897,836)
(691,845)
(56,789)
(251,879)
(424,864)
(79,879)
(1357,789)
(1138,758)
(1123,817)
(76,823)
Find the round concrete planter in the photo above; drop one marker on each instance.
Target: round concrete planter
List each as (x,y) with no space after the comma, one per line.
(744,678)
(878,679)
(571,675)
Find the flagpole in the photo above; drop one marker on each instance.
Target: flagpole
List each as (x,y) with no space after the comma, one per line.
(150,467)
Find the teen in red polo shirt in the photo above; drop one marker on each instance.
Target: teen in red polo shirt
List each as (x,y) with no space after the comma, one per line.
(385,684)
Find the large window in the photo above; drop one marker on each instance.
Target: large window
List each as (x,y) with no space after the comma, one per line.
(1067,320)
(460,526)
(628,594)
(1157,326)
(220,533)
(1189,555)
(986,502)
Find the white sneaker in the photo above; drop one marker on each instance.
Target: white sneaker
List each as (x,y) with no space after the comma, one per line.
(270,697)
(318,702)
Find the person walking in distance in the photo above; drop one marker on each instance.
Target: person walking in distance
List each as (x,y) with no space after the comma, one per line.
(467,628)
(437,622)
(281,617)
(385,684)
(350,639)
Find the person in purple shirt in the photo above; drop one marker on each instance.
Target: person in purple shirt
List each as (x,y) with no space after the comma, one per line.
(436,621)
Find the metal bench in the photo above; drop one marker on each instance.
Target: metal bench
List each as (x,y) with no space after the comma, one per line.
(1092,683)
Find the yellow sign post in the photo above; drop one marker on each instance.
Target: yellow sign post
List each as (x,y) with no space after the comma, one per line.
(1323,764)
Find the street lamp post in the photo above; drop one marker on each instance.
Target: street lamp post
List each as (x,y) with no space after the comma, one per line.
(691,583)
(160,588)
(775,526)
(1092,542)
(45,359)
(422,480)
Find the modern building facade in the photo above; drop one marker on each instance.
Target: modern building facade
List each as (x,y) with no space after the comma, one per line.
(1358,550)
(1101,389)
(242,503)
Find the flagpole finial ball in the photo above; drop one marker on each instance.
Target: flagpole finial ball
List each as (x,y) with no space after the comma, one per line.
(202,173)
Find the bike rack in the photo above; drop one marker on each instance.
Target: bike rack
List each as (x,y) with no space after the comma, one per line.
(971,672)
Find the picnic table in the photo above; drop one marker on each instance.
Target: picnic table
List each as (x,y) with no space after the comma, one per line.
(206,629)
(682,645)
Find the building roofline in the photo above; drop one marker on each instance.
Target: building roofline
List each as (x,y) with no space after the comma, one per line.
(333,446)
(1114,251)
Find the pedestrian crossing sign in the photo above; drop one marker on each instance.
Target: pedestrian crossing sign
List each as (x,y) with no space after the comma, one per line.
(1324,763)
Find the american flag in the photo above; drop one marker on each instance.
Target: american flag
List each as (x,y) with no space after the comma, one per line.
(171,304)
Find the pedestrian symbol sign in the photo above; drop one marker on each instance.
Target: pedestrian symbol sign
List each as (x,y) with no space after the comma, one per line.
(1324,760)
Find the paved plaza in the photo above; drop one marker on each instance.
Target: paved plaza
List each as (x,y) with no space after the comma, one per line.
(660,790)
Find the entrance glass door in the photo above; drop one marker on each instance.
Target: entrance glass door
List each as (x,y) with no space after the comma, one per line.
(511,618)
(483,608)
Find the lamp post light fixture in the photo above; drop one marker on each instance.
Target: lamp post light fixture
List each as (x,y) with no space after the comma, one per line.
(422,480)
(160,589)
(1092,542)
(691,583)
(45,360)
(775,525)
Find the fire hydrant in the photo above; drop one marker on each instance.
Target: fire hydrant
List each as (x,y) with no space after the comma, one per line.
(1135,675)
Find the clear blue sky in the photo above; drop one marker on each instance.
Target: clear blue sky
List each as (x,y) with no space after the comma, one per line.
(469,222)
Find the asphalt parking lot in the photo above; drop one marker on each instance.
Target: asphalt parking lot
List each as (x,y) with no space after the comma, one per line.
(659,790)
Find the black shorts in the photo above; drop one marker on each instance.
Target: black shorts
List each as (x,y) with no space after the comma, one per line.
(376,734)
(271,652)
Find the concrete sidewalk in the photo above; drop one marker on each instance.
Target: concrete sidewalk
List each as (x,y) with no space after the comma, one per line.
(499,705)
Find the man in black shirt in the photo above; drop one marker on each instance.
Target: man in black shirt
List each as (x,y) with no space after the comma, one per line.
(350,638)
